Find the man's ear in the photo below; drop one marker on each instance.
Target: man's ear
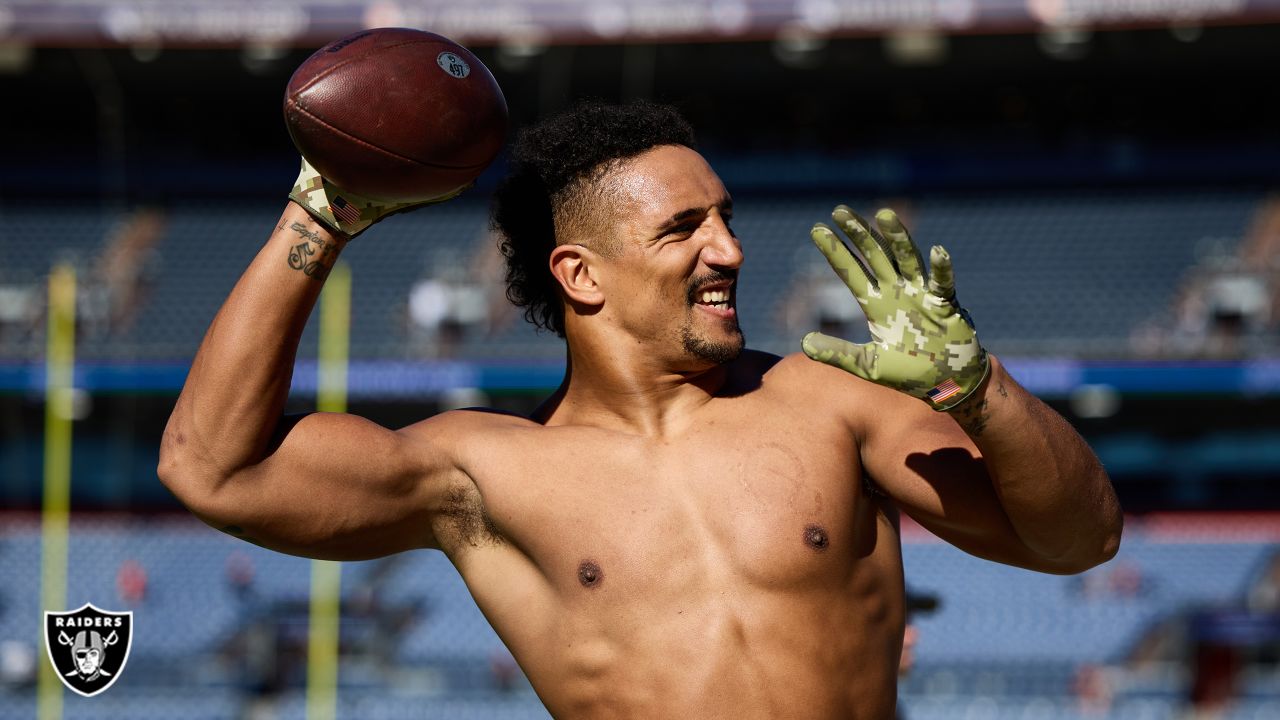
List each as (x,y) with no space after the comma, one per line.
(574,267)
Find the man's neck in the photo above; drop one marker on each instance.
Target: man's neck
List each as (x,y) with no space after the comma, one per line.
(629,393)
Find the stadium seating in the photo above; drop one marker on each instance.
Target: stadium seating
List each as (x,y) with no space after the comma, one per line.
(36,236)
(1005,643)
(1095,617)
(1041,273)
(122,701)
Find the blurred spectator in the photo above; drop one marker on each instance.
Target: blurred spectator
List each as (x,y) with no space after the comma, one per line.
(1126,579)
(1093,690)
(1229,304)
(255,655)
(446,305)
(1121,579)
(1215,667)
(1222,311)
(504,670)
(131,582)
(21,306)
(1264,596)
(1236,306)
(819,300)
(112,289)
(917,604)
(17,664)
(239,573)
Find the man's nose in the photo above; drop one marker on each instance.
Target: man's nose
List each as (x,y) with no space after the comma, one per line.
(723,249)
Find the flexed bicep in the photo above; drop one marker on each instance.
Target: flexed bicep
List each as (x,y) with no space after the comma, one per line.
(337,486)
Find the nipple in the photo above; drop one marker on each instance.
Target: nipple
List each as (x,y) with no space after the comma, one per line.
(816,537)
(589,574)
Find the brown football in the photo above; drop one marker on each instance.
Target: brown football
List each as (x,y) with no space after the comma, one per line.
(396,114)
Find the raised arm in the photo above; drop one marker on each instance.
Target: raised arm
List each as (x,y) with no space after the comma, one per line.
(980,462)
(1051,485)
(323,485)
(1001,476)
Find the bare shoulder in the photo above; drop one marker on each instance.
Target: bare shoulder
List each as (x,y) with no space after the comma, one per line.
(459,427)
(468,419)
(465,434)
(797,371)
(796,375)
(827,389)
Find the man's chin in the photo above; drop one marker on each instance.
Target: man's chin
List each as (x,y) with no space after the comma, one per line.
(715,350)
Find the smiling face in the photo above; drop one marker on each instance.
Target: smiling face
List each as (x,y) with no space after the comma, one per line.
(669,276)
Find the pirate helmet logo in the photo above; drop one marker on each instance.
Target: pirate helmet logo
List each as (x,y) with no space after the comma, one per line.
(88,647)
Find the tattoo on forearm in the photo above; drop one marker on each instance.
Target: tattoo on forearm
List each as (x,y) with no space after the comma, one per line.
(973,417)
(307,233)
(313,256)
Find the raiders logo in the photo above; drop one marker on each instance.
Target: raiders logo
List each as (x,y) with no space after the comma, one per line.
(88,647)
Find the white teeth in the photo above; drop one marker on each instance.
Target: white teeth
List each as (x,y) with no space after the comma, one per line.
(713,297)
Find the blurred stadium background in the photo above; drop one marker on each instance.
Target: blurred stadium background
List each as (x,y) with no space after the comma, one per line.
(1105,174)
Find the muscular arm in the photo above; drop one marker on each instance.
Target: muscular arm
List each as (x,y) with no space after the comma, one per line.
(325,485)
(1001,475)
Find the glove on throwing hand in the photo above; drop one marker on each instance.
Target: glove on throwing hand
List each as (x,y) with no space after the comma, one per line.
(346,212)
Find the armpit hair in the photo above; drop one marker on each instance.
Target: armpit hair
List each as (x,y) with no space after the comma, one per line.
(466,518)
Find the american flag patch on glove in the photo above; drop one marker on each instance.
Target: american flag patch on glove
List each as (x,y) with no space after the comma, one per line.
(947,388)
(344,210)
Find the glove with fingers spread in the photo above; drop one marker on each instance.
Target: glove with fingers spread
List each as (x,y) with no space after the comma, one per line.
(923,343)
(345,212)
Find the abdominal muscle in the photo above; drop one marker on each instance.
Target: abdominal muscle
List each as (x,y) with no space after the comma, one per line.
(699,642)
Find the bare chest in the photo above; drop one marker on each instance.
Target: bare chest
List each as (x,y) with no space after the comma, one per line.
(735,502)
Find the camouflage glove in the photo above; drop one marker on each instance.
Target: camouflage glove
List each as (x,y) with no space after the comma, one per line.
(923,341)
(346,212)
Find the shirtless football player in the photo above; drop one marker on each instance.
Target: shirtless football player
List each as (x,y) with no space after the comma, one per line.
(684,529)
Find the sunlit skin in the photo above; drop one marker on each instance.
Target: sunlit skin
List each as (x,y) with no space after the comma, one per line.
(684,529)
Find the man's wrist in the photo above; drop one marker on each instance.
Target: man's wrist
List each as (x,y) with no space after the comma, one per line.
(974,411)
(335,208)
(318,222)
(956,389)
(312,246)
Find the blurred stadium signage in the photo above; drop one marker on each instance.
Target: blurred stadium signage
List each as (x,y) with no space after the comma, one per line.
(383,379)
(309,22)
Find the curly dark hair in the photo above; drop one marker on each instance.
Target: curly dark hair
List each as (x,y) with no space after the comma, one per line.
(554,167)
